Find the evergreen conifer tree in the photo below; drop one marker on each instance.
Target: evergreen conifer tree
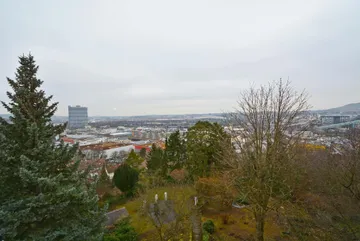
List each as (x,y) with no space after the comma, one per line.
(204,146)
(143,152)
(126,178)
(157,161)
(175,150)
(134,160)
(43,194)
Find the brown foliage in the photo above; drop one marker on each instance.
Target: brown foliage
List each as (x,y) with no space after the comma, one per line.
(216,189)
(328,190)
(178,175)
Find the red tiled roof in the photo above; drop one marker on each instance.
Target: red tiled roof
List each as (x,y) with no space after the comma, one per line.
(138,147)
(68,140)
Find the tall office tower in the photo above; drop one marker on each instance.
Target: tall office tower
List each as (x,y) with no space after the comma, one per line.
(78,117)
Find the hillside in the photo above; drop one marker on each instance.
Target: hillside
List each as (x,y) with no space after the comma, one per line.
(353,107)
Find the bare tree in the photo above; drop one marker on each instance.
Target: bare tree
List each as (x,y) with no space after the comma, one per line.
(263,130)
(123,155)
(340,184)
(114,156)
(172,218)
(349,175)
(95,154)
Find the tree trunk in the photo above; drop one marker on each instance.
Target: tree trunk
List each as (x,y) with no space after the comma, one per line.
(260,223)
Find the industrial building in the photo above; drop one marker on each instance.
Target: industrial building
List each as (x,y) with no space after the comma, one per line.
(78,117)
(334,119)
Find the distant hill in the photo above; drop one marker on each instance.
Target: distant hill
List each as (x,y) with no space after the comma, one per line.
(349,108)
(62,119)
(156,117)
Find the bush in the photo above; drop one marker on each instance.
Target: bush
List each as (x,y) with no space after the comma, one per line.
(117,200)
(156,181)
(209,226)
(126,178)
(123,231)
(215,189)
(169,179)
(206,236)
(106,196)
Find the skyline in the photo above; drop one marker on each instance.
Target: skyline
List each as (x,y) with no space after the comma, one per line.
(126,59)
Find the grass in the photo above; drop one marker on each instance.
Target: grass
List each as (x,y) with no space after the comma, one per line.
(240,225)
(179,194)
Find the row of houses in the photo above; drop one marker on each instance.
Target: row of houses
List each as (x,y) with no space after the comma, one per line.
(109,154)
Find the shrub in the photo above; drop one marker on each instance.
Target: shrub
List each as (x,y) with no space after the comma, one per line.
(156,181)
(101,204)
(125,178)
(215,189)
(206,236)
(117,200)
(169,179)
(123,231)
(106,196)
(179,175)
(209,226)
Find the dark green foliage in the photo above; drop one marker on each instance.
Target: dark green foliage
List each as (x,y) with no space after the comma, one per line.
(157,162)
(142,152)
(115,201)
(206,236)
(134,160)
(123,232)
(43,195)
(209,226)
(175,151)
(204,147)
(125,178)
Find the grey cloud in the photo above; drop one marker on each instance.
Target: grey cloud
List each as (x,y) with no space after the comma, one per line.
(151,57)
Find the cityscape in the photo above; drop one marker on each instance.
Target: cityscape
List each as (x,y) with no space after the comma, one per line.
(325,129)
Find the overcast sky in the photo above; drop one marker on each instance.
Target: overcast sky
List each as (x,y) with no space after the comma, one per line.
(128,57)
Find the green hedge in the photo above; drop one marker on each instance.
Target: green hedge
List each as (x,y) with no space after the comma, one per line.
(209,226)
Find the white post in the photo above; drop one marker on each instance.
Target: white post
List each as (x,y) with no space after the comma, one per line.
(156,198)
(165,196)
(196,200)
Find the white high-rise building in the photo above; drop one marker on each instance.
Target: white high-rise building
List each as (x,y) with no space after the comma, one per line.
(78,117)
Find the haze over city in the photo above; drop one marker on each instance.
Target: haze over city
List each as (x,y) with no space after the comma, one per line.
(167,57)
